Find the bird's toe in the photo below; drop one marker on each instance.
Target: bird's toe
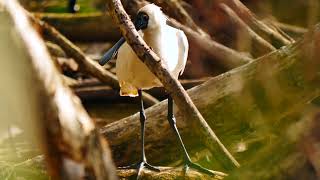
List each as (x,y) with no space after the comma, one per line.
(197,167)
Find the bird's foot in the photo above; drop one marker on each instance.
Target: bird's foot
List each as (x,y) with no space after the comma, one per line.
(139,166)
(188,164)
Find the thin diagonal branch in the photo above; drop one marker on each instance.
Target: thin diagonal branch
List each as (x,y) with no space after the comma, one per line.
(260,46)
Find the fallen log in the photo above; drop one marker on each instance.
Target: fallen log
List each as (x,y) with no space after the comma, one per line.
(290,154)
(89,26)
(169,174)
(247,99)
(95,90)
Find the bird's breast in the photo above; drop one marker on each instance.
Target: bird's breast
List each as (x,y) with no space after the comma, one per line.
(164,43)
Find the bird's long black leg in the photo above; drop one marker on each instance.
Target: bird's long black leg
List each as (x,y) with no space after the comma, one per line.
(187,160)
(72,6)
(143,161)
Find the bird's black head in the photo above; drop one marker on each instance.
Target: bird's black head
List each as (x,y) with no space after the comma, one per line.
(141,21)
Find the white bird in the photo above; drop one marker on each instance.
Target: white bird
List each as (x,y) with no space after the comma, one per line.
(171,45)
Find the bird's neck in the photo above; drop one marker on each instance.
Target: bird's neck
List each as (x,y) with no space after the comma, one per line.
(153,37)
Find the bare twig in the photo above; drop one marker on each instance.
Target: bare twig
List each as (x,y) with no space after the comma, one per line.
(172,85)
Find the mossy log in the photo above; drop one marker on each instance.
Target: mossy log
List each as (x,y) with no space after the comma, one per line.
(243,106)
(168,173)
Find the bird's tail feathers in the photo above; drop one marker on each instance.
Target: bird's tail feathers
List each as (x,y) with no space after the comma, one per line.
(127,89)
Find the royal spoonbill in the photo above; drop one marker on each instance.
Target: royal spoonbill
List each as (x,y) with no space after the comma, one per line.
(171,45)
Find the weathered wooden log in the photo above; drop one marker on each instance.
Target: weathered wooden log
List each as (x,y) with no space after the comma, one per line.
(93,89)
(171,84)
(68,130)
(290,153)
(250,98)
(169,174)
(83,26)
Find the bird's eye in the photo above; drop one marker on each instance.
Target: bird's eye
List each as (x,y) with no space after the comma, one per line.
(145,17)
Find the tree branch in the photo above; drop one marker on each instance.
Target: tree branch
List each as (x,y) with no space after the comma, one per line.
(258,45)
(258,26)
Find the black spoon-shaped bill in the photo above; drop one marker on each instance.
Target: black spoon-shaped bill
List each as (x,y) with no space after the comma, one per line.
(141,22)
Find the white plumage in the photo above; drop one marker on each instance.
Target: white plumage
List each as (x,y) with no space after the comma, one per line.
(169,43)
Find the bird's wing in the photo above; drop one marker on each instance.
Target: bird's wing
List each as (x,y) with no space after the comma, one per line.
(183,50)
